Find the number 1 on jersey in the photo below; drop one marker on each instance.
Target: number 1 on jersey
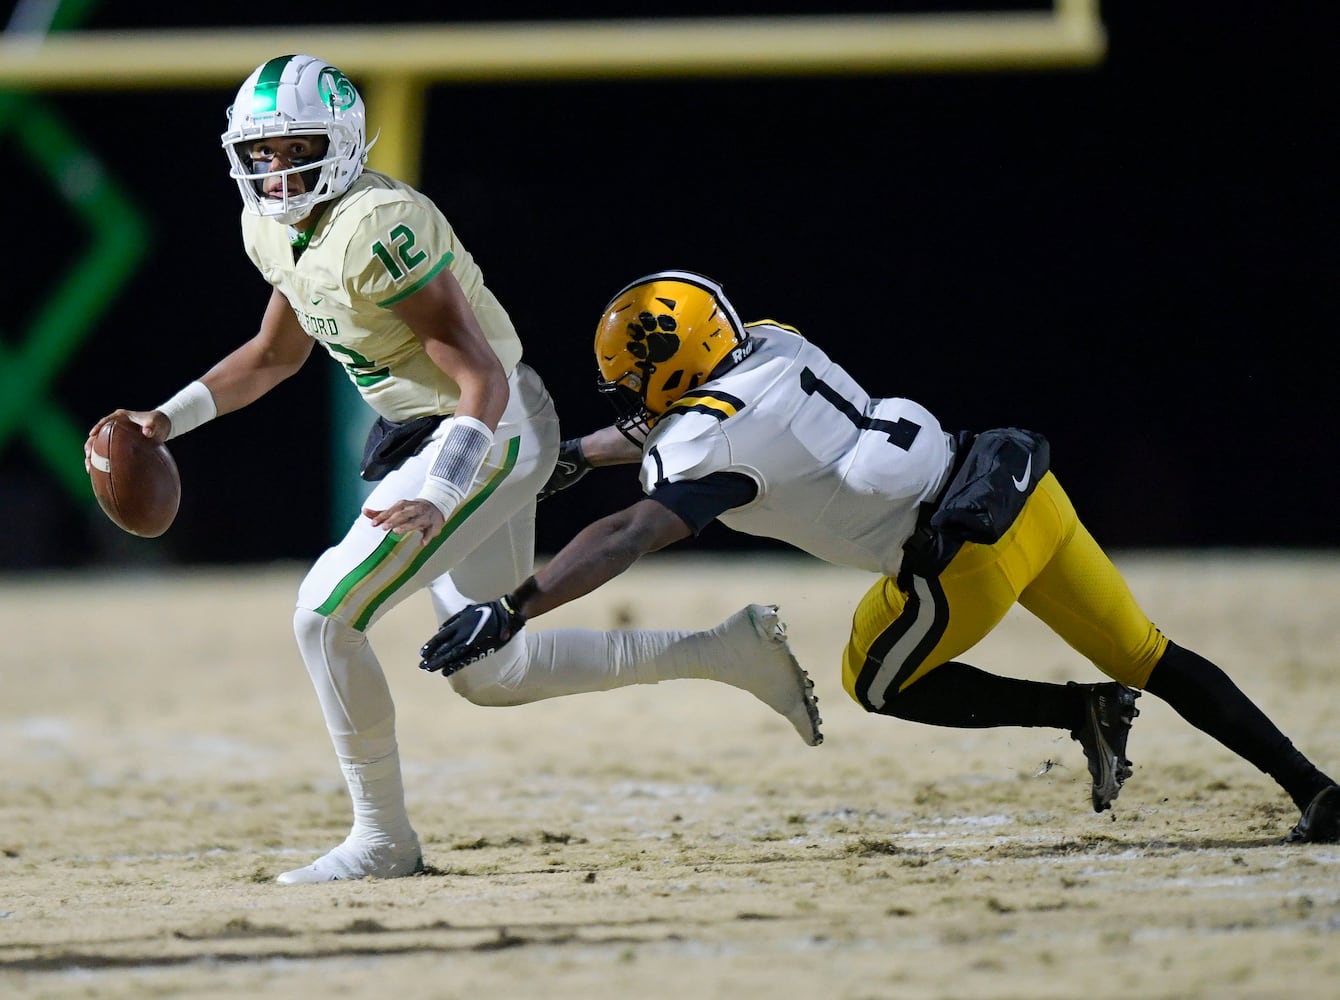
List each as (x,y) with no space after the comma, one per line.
(901,432)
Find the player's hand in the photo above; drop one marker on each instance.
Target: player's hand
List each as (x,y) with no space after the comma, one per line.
(154,425)
(405,516)
(471,634)
(571,466)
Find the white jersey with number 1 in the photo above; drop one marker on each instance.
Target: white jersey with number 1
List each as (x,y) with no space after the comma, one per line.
(839,474)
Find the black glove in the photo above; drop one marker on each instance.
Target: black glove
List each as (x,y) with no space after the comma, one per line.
(470,635)
(571,466)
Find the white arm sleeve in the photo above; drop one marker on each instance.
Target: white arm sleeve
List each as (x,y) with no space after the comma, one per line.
(457,463)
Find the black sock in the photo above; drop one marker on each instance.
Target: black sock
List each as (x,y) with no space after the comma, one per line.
(1204,695)
(959,695)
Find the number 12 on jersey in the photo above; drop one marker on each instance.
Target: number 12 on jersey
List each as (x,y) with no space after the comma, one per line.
(402,241)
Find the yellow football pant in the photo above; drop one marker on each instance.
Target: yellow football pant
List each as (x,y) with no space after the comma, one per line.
(1047,561)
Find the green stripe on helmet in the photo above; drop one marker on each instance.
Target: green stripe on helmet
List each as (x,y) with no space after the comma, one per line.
(265,95)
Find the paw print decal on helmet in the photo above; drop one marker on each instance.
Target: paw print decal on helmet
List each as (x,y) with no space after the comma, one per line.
(653,338)
(661,337)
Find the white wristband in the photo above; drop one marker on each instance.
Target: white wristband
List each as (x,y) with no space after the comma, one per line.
(456,464)
(189,408)
(443,495)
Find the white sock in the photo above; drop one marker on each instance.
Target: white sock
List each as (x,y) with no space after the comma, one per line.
(378,797)
(360,718)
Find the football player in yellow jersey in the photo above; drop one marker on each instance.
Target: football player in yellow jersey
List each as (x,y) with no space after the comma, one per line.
(757,427)
(465,437)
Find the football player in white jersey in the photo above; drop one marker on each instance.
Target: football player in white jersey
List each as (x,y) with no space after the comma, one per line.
(465,437)
(755,426)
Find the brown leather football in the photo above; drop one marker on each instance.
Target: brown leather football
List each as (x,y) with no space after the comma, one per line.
(135,479)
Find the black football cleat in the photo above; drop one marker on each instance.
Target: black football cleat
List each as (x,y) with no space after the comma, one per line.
(1320,822)
(1109,710)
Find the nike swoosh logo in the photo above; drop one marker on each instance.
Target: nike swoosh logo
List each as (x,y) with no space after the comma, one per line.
(1021,482)
(484,615)
(317,301)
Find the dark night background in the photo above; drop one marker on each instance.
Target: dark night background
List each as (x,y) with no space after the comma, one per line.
(1137,259)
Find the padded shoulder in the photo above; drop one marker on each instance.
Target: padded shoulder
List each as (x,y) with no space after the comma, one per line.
(686,446)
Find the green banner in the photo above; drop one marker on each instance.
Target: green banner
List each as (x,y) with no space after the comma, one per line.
(30,364)
(32,358)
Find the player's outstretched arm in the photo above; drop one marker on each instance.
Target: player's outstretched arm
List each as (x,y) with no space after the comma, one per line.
(600,552)
(578,456)
(608,446)
(277,351)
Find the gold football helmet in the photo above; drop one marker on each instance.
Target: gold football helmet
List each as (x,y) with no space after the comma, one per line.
(662,336)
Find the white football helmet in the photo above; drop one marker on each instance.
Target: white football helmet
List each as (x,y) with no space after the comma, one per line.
(290,96)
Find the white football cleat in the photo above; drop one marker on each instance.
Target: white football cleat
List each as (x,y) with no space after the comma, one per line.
(761,663)
(355,859)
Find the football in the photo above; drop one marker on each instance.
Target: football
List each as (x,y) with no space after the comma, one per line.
(135,479)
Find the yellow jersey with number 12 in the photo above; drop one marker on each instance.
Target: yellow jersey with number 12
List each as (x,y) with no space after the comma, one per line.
(373,247)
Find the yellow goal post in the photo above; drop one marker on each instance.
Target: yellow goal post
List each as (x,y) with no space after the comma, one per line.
(395,64)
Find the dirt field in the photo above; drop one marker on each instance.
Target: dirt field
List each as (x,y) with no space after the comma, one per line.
(164,758)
